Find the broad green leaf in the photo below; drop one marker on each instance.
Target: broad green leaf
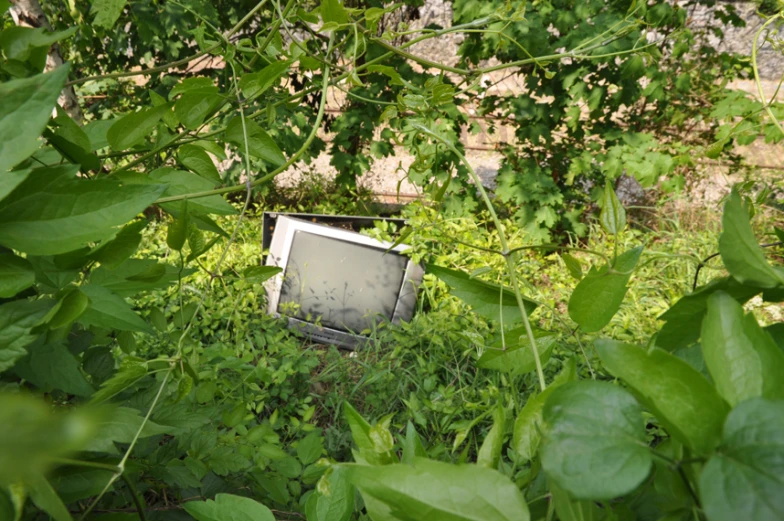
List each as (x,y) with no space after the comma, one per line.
(75,483)
(740,251)
(228,507)
(429,490)
(594,443)
(569,509)
(10,180)
(360,428)
(743,360)
(16,274)
(54,212)
(483,297)
(598,297)
(390,72)
(333,499)
(613,216)
(132,128)
(113,252)
(256,83)
(684,318)
(518,357)
(133,276)
(169,119)
(21,43)
(744,479)
(96,131)
(45,498)
(685,403)
(179,183)
(25,107)
(17,322)
(573,266)
(121,425)
(490,451)
(110,311)
(310,448)
(197,161)
(198,85)
(259,274)
(126,376)
(260,144)
(107,12)
(527,427)
(177,232)
(192,108)
(52,366)
(72,142)
(333,11)
(412,445)
(70,307)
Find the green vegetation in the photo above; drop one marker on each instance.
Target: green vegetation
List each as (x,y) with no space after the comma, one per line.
(571,358)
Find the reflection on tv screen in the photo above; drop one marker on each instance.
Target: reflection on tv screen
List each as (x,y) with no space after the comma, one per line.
(348,285)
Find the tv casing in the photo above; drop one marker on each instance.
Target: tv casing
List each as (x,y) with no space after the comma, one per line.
(280,248)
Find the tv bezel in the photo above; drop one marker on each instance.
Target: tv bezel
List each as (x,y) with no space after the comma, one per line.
(280,250)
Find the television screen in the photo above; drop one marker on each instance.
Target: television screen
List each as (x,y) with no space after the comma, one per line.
(346,284)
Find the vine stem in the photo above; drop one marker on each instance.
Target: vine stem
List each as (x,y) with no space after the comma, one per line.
(754,65)
(511,257)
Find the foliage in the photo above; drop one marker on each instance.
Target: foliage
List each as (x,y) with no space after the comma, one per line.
(139,369)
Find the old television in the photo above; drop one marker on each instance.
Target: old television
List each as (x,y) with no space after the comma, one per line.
(336,283)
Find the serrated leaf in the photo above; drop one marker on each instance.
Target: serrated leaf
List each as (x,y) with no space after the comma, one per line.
(16,274)
(741,253)
(54,212)
(133,128)
(598,297)
(17,322)
(594,445)
(110,311)
(126,376)
(260,144)
(432,490)
(227,507)
(107,12)
(197,161)
(683,400)
(745,478)
(52,366)
(333,11)
(25,107)
(743,360)
(483,297)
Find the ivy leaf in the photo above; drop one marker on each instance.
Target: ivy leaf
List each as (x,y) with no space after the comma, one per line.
(483,297)
(745,478)
(107,12)
(685,403)
(17,322)
(131,129)
(517,356)
(594,444)
(111,311)
(256,83)
(598,297)
(260,144)
(196,160)
(743,360)
(16,274)
(613,216)
(739,250)
(25,107)
(432,490)
(228,507)
(54,212)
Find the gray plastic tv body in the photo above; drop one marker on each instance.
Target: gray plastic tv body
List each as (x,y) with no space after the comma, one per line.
(336,283)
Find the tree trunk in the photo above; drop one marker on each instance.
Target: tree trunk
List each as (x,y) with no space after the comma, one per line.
(28,13)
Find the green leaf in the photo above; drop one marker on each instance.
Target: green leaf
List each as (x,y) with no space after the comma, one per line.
(333,499)
(132,128)
(685,317)
(594,444)
(256,83)
(333,11)
(613,216)
(52,366)
(127,375)
(17,322)
(54,212)
(16,274)
(483,297)
(107,12)
(745,478)
(518,357)
(412,445)
(360,428)
(743,360)
(177,232)
(193,107)
(310,448)
(260,144)
(527,427)
(390,72)
(569,509)
(113,252)
(72,142)
(228,507)
(490,451)
(434,491)
(25,107)
(121,426)
(70,307)
(45,498)
(598,297)
(111,311)
(685,403)
(197,161)
(133,276)
(573,266)
(179,183)
(10,180)
(259,274)
(740,251)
